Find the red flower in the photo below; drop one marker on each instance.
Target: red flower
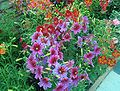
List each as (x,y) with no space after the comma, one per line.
(75,13)
(104,4)
(55,19)
(51,29)
(68,14)
(40,29)
(88,2)
(24,45)
(58,1)
(70,1)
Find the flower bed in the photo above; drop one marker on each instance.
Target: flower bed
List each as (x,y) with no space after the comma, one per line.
(62,45)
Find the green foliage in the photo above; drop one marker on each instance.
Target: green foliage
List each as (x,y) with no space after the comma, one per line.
(13,75)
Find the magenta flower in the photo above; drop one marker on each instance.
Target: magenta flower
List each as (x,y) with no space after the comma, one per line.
(60,54)
(60,87)
(97,50)
(80,41)
(53,51)
(76,28)
(89,56)
(38,72)
(44,41)
(53,60)
(67,37)
(44,82)
(74,72)
(31,63)
(36,48)
(61,71)
(35,36)
(75,81)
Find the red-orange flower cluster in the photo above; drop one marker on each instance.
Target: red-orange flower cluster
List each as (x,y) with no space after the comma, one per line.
(88,2)
(116,54)
(104,4)
(111,62)
(73,15)
(102,59)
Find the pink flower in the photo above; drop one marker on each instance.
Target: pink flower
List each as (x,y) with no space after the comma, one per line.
(31,63)
(116,22)
(76,28)
(53,51)
(74,72)
(35,36)
(36,48)
(67,37)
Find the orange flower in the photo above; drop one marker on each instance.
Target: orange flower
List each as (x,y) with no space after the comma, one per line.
(49,15)
(102,60)
(116,54)
(75,12)
(111,62)
(2,49)
(88,2)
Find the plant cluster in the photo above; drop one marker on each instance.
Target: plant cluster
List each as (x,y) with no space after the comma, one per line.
(51,54)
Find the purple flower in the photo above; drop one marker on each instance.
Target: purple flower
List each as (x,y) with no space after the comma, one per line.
(89,56)
(64,27)
(85,77)
(35,36)
(36,48)
(76,28)
(44,41)
(84,23)
(75,81)
(67,37)
(65,81)
(74,72)
(95,43)
(38,72)
(60,87)
(70,63)
(97,50)
(44,82)
(60,71)
(80,41)
(85,20)
(84,28)
(31,63)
